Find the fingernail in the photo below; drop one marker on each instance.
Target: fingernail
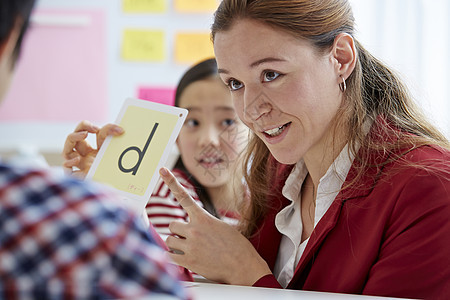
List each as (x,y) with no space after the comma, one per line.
(163,172)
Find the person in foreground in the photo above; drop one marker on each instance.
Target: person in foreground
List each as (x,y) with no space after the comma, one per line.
(209,143)
(62,238)
(349,184)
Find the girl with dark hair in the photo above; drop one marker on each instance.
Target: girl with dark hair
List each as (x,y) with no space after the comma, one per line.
(209,143)
(349,183)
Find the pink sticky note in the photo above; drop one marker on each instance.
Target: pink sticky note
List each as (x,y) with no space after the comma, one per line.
(61,72)
(157,94)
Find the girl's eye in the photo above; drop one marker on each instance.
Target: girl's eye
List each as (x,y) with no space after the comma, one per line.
(228,122)
(191,123)
(270,76)
(234,85)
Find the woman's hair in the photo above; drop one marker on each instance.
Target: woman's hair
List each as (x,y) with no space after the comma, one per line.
(373,90)
(10,11)
(203,70)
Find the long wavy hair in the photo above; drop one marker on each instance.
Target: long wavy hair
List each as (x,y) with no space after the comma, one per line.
(373,90)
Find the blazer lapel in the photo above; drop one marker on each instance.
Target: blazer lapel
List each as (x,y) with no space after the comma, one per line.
(267,239)
(360,188)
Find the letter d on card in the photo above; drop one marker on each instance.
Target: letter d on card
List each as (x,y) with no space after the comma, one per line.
(130,163)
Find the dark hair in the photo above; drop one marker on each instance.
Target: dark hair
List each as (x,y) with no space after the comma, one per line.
(10,12)
(373,89)
(202,70)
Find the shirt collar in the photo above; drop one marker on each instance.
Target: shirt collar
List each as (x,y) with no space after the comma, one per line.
(339,168)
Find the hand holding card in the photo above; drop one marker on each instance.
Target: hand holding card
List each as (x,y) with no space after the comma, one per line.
(129,163)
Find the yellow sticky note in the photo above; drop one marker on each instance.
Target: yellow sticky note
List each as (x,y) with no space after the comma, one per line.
(144,6)
(130,162)
(143,45)
(192,47)
(196,6)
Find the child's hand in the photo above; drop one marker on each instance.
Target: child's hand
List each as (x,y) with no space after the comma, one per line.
(78,154)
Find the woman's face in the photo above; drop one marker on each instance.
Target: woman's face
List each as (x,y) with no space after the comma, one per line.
(212,135)
(282,89)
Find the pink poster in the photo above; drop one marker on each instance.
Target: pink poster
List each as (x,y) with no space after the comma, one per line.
(161,95)
(61,72)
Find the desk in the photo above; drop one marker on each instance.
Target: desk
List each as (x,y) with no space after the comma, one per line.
(212,291)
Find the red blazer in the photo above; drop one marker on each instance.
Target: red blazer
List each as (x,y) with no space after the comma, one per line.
(389,239)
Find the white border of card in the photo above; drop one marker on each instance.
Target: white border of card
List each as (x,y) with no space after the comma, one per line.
(137,202)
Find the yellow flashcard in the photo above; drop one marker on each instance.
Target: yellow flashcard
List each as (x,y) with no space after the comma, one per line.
(130,163)
(143,45)
(196,6)
(192,47)
(144,6)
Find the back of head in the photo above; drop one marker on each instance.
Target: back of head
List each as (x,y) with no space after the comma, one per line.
(12,11)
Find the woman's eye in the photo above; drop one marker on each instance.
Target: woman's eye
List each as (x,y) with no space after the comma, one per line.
(234,85)
(228,122)
(270,76)
(191,123)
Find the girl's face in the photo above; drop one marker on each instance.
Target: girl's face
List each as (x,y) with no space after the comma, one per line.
(282,89)
(212,135)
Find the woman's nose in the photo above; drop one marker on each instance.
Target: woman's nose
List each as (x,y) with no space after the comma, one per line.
(256,105)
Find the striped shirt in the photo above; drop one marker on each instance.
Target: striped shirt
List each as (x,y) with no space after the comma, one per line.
(164,208)
(62,238)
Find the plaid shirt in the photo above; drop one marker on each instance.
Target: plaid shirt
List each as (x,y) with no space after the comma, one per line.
(63,238)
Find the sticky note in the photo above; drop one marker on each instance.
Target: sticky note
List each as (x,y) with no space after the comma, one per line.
(130,163)
(143,45)
(144,6)
(161,95)
(192,47)
(196,6)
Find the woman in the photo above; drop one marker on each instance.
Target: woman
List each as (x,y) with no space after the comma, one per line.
(349,183)
(209,143)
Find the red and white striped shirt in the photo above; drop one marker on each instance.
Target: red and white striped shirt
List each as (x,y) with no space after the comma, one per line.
(163,207)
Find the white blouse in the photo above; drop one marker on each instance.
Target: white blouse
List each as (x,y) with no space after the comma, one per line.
(289,221)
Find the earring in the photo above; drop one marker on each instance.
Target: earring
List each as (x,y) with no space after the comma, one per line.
(342,85)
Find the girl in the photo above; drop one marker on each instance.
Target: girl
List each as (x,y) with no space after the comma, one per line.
(209,143)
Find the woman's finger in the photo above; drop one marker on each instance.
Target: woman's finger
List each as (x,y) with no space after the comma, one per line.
(179,228)
(180,193)
(176,244)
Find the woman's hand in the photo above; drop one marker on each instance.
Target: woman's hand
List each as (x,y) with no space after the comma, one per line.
(78,154)
(209,246)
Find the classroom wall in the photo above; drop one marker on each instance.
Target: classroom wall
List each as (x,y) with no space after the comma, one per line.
(90,69)
(76,67)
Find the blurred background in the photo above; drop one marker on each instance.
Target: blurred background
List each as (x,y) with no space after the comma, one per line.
(83,58)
